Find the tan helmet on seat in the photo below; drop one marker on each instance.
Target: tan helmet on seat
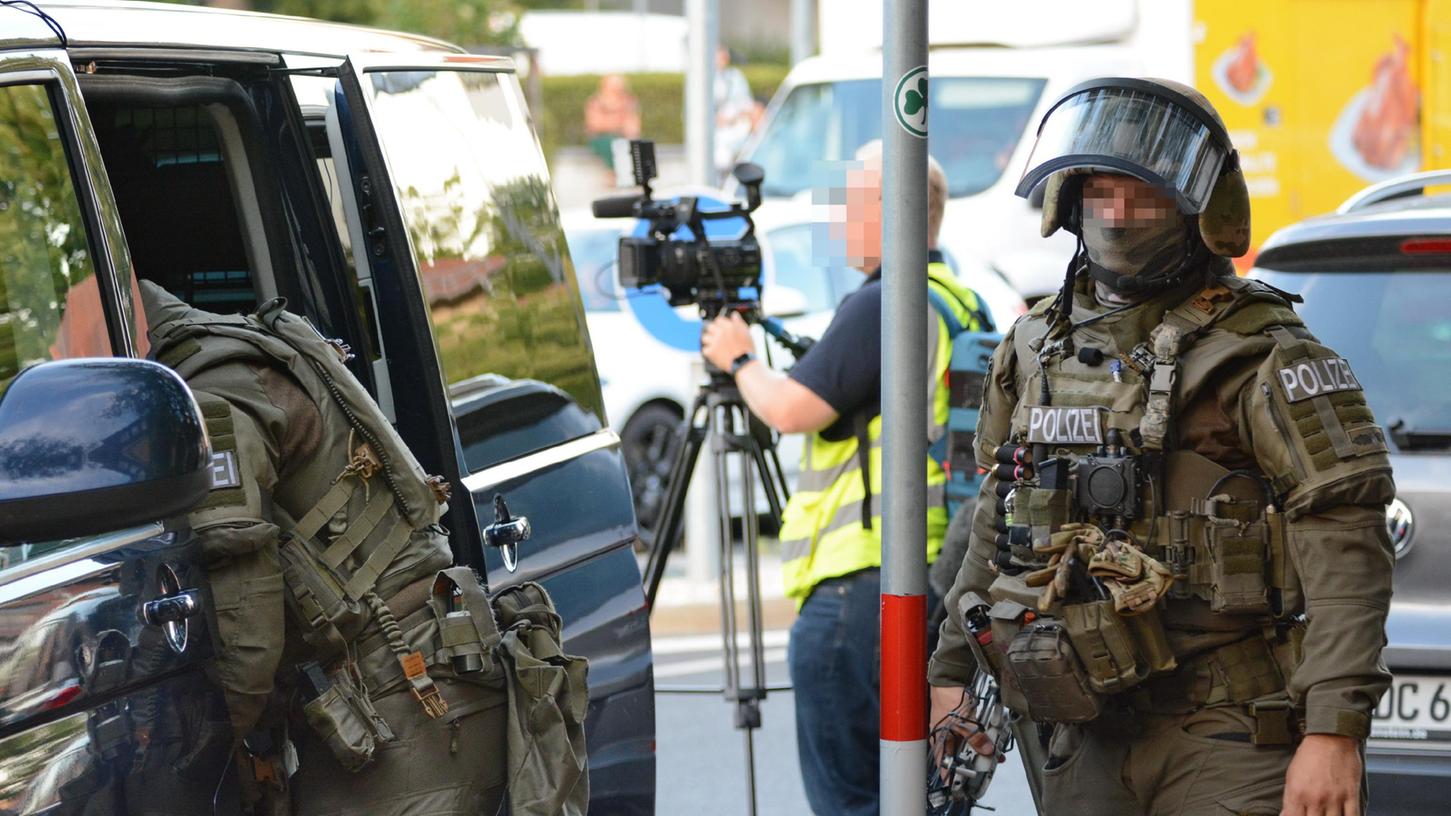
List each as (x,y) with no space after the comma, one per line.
(1159,131)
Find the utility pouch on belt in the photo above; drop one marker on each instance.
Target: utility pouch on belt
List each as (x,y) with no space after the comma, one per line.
(1117,652)
(547,704)
(1052,680)
(343,717)
(1006,618)
(1238,553)
(326,617)
(467,632)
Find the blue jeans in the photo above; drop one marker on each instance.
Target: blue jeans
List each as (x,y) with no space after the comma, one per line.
(835,659)
(834,655)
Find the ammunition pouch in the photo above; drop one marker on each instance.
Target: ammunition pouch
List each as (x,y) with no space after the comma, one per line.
(1046,671)
(1237,553)
(1229,549)
(345,720)
(467,631)
(1117,652)
(1043,511)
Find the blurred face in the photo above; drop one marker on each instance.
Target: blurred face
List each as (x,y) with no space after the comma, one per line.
(614,85)
(722,58)
(1129,226)
(864,216)
(1116,201)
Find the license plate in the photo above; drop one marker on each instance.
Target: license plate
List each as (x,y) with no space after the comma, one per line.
(1416,707)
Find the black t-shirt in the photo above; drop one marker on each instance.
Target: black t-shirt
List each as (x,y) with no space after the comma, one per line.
(845,366)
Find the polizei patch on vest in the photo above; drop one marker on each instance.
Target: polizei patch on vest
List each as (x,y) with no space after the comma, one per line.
(1312,378)
(224,470)
(1064,426)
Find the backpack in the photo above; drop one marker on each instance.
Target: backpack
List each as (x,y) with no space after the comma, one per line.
(967,368)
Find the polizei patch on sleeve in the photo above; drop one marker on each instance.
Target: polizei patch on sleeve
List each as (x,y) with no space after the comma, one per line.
(224,470)
(1313,378)
(1064,426)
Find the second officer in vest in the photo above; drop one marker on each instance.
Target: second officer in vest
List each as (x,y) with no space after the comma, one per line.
(831,533)
(364,675)
(1179,565)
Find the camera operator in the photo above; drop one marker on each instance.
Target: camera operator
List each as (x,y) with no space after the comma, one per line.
(831,532)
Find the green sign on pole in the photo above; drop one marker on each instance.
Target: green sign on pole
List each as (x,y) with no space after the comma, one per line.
(910,102)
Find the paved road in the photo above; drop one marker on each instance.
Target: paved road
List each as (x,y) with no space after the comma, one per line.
(701,766)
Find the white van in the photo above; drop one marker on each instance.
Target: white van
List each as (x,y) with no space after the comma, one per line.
(985,105)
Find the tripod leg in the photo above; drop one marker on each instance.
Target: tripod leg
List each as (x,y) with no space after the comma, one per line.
(750,524)
(690,436)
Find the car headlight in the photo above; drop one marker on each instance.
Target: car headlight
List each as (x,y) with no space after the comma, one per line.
(1400,524)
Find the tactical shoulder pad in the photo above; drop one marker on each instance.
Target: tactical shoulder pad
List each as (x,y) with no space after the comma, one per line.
(1315,435)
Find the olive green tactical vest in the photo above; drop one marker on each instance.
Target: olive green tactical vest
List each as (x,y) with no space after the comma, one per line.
(363,512)
(1159,357)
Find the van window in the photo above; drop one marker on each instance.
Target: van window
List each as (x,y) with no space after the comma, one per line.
(474,192)
(176,198)
(50,301)
(977,123)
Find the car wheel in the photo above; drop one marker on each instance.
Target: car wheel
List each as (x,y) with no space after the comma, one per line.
(649,444)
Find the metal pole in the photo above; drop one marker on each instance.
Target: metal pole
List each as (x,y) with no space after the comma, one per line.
(803,30)
(904,409)
(700,92)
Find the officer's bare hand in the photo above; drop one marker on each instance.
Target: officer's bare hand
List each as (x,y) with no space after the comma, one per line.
(1324,777)
(726,338)
(944,700)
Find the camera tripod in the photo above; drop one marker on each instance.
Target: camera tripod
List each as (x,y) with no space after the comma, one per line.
(720,415)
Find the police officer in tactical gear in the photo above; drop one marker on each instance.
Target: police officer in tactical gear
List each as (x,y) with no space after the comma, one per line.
(363,674)
(1179,565)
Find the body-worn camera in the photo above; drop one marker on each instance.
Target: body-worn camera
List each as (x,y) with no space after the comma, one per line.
(717,274)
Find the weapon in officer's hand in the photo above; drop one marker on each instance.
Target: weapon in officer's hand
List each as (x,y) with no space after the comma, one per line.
(959,776)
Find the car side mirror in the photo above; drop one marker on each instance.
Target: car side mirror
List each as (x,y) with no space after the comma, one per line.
(783,301)
(90,446)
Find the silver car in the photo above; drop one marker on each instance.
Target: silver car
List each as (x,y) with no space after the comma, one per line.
(1376,276)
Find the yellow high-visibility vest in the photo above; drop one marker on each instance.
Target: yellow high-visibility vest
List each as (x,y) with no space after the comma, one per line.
(822,531)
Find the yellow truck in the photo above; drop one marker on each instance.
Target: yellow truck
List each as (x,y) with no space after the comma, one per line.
(1324,97)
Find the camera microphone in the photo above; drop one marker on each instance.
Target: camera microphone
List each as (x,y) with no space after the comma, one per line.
(615,207)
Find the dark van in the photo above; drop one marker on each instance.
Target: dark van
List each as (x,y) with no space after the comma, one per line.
(392,188)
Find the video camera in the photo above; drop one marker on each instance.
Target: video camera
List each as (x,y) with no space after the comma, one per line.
(718,275)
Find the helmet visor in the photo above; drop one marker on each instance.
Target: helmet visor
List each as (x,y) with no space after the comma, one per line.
(1129,131)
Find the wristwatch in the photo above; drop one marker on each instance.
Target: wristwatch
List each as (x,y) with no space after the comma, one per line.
(741,362)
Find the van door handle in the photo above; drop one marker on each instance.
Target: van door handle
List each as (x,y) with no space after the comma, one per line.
(172,608)
(507,532)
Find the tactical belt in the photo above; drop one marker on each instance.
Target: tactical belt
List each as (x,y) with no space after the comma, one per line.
(1245,673)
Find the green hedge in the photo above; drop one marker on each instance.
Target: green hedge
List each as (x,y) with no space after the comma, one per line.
(662,104)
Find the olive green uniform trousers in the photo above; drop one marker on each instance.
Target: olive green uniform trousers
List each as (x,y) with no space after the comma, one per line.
(1200,764)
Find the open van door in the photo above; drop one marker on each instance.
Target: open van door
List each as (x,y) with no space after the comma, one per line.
(492,370)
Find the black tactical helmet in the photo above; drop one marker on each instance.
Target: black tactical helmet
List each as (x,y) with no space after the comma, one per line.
(1156,130)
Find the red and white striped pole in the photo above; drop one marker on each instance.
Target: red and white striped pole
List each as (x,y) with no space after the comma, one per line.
(904,409)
